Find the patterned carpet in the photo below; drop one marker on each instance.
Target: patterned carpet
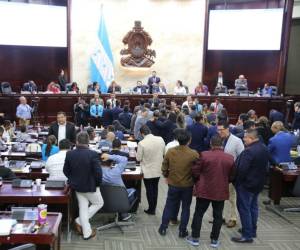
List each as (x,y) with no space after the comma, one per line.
(274,232)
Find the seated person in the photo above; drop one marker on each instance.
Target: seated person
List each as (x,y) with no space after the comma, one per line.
(106,139)
(140,88)
(94,87)
(49,148)
(8,133)
(112,100)
(55,163)
(2,142)
(267,90)
(91,133)
(162,88)
(30,86)
(118,133)
(23,136)
(74,88)
(114,88)
(201,89)
(241,84)
(53,88)
(116,149)
(179,88)
(114,176)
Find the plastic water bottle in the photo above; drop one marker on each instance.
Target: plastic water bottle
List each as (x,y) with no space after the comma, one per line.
(6,162)
(14,125)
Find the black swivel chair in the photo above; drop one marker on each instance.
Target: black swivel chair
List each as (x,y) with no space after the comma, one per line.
(6,88)
(24,247)
(115,201)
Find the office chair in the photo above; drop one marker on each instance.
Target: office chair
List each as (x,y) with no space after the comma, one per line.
(115,201)
(186,89)
(6,88)
(24,247)
(296,192)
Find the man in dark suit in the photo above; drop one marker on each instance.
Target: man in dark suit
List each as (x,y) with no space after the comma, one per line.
(199,134)
(251,171)
(116,110)
(153,80)
(140,88)
(62,129)
(84,173)
(275,116)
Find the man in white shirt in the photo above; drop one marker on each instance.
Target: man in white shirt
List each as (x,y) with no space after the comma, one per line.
(55,163)
(150,154)
(174,143)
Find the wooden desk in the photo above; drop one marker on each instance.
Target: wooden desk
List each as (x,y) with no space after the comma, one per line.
(281,181)
(34,196)
(47,235)
(50,104)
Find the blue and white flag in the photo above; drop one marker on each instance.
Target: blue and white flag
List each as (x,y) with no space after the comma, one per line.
(102,70)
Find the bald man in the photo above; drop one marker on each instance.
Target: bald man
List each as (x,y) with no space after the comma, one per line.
(240,84)
(23,112)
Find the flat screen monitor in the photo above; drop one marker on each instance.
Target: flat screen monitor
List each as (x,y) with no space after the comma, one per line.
(33,24)
(246,29)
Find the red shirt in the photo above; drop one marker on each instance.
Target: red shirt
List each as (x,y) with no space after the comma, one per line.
(213,172)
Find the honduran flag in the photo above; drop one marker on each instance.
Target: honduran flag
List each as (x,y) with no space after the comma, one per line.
(102,70)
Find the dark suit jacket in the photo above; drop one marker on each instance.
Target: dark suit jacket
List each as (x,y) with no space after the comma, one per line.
(70,131)
(252,167)
(199,134)
(152,80)
(125,119)
(115,112)
(276,116)
(166,128)
(296,121)
(107,117)
(83,170)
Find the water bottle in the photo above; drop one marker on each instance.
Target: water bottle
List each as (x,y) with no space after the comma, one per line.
(298,150)
(14,126)
(6,164)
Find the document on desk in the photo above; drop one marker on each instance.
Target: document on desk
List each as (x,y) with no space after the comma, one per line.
(6,226)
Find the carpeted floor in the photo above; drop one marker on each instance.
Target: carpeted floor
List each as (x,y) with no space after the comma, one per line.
(274,232)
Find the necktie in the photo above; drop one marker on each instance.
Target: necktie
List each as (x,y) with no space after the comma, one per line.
(96,109)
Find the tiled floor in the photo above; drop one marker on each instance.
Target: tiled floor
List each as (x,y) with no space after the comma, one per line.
(273,232)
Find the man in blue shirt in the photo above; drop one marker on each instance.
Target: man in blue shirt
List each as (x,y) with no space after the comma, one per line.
(23,112)
(113,175)
(96,112)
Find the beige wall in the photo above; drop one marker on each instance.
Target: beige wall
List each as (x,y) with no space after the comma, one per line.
(176,27)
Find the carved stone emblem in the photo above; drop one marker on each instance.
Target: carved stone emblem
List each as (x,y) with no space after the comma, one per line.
(137,54)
